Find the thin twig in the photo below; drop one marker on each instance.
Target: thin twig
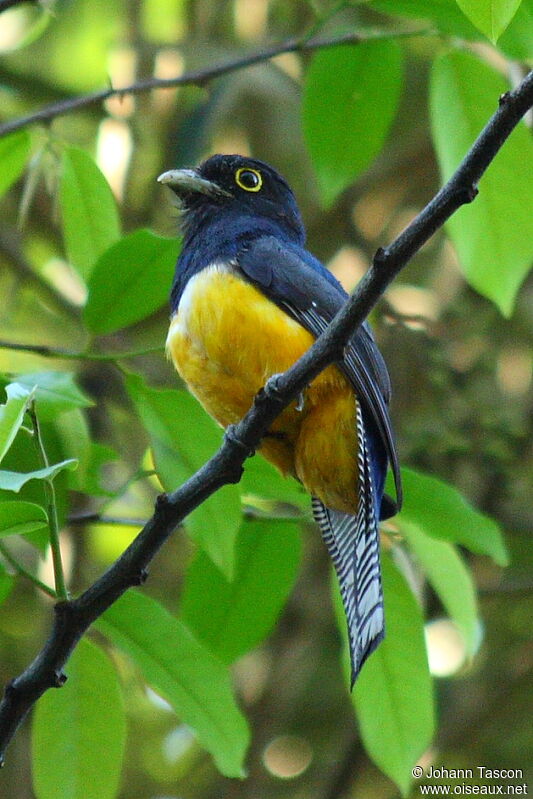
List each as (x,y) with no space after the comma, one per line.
(58,352)
(24,572)
(51,507)
(74,617)
(197,77)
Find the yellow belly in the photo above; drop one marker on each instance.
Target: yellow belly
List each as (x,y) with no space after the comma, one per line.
(226,340)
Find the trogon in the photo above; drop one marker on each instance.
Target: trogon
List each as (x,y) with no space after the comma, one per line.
(247,301)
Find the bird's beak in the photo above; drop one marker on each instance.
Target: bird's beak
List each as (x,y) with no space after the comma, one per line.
(188,181)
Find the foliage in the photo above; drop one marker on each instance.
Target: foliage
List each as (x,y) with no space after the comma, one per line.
(86,445)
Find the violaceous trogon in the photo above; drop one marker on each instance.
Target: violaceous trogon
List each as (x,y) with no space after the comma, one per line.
(247,301)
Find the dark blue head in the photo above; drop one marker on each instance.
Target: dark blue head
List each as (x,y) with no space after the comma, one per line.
(235,190)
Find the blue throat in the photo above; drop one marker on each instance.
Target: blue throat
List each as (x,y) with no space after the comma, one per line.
(221,238)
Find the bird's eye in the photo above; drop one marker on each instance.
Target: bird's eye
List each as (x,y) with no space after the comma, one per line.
(248,179)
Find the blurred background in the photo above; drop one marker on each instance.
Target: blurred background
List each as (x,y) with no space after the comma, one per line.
(462,377)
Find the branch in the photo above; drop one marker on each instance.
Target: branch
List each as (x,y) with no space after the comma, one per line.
(197,77)
(58,352)
(73,618)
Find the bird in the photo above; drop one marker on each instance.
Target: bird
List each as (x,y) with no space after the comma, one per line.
(247,300)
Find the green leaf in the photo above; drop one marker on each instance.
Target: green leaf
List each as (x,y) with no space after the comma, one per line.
(183,438)
(440,511)
(20,518)
(130,281)
(79,732)
(491,17)
(6,583)
(517,40)
(393,695)
(88,209)
(451,581)
(13,481)
(350,99)
(12,415)
(232,617)
(261,479)
(196,684)
(494,234)
(56,392)
(14,152)
(444,14)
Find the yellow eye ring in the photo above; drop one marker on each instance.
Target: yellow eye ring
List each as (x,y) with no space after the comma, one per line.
(248,179)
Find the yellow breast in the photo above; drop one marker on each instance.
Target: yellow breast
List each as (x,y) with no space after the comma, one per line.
(226,339)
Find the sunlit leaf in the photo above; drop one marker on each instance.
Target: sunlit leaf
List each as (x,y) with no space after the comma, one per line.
(56,392)
(20,518)
(440,511)
(12,415)
(393,695)
(13,481)
(88,210)
(79,732)
(130,281)
(494,234)
(350,99)
(450,578)
(179,667)
(14,152)
(183,438)
(233,617)
(491,17)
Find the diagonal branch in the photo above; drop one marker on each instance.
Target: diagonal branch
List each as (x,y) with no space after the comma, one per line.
(196,77)
(73,618)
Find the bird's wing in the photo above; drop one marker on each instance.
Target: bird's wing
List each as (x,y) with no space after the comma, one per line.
(301,286)
(297,282)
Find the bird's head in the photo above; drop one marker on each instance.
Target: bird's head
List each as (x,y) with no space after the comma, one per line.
(233,187)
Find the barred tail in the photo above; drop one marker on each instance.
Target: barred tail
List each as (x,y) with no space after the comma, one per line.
(353,543)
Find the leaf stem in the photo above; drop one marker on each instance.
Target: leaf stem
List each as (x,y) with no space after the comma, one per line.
(51,507)
(24,572)
(57,352)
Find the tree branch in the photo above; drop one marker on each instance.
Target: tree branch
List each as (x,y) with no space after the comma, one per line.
(73,618)
(197,77)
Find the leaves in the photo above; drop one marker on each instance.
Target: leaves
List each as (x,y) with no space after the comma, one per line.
(14,152)
(183,438)
(88,211)
(20,518)
(130,281)
(230,618)
(350,99)
(494,235)
(12,415)
(13,481)
(56,392)
(178,666)
(393,695)
(491,17)
(440,511)
(79,732)
(451,581)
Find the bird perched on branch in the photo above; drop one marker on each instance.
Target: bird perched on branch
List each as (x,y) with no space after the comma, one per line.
(247,301)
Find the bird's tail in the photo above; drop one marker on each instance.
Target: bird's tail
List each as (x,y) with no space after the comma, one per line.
(353,543)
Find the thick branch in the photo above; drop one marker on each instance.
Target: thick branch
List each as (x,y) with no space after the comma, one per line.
(73,618)
(197,77)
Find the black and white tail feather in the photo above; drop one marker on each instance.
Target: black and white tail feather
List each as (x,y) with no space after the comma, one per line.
(353,544)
